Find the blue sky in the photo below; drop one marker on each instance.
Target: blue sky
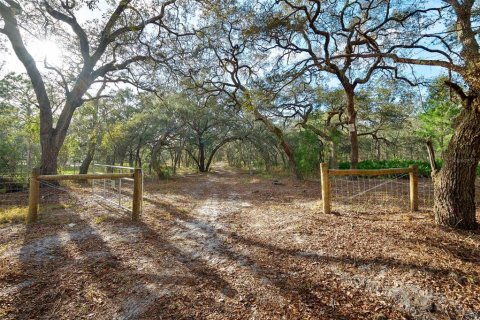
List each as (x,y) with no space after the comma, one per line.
(45,48)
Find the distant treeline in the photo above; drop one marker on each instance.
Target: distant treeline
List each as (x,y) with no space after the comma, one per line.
(423,166)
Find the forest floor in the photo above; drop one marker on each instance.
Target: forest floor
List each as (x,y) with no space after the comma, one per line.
(227,245)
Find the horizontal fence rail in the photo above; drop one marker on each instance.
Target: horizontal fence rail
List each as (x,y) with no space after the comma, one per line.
(36,178)
(112,166)
(368,172)
(89,176)
(326,173)
(106,190)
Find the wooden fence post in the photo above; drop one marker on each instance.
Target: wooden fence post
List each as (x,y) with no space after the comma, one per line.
(137,194)
(413,187)
(325,180)
(33,196)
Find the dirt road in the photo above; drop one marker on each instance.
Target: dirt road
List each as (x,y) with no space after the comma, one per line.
(230,245)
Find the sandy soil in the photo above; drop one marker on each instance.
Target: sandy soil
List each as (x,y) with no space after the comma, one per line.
(229,245)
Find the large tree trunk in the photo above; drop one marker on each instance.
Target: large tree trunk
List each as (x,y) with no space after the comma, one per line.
(176,163)
(130,158)
(51,145)
(50,150)
(378,149)
(88,159)
(455,183)
(201,156)
(52,138)
(92,144)
(333,155)
(214,150)
(352,128)
(292,163)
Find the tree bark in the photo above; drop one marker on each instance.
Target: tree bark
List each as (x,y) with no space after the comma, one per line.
(352,128)
(292,163)
(333,155)
(92,145)
(214,150)
(50,150)
(201,156)
(130,158)
(455,183)
(89,157)
(378,149)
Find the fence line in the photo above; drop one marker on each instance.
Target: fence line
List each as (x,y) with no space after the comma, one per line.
(111,166)
(36,178)
(326,173)
(112,186)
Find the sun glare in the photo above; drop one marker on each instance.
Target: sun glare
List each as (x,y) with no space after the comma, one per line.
(46,49)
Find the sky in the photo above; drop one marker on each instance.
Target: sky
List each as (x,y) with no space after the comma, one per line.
(46,49)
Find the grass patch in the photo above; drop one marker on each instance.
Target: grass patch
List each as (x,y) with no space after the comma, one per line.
(13,214)
(274,173)
(99,219)
(56,206)
(3,248)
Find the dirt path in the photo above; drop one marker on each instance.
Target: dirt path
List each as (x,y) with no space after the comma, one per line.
(229,245)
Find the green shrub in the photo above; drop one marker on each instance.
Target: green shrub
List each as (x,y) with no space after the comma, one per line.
(423,166)
(165,172)
(307,151)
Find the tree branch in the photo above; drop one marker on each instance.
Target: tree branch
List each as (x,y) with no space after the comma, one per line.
(72,21)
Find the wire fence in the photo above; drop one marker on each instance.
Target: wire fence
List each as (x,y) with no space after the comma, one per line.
(387,194)
(355,194)
(70,168)
(58,196)
(118,192)
(13,188)
(115,193)
(373,194)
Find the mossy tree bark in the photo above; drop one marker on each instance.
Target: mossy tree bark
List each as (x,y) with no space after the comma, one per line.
(455,182)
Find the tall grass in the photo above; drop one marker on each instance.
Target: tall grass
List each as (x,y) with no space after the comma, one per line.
(13,214)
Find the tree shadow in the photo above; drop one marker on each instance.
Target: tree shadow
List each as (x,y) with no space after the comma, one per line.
(99,269)
(444,239)
(74,270)
(465,252)
(293,287)
(253,190)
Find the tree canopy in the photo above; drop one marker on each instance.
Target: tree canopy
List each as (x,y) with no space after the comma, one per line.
(265,84)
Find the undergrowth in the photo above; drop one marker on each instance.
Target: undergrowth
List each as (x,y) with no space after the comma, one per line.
(13,214)
(423,166)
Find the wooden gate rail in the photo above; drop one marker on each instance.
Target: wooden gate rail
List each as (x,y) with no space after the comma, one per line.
(84,176)
(325,174)
(34,191)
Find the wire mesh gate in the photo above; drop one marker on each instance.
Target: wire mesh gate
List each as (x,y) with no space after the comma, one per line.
(118,191)
(374,190)
(137,194)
